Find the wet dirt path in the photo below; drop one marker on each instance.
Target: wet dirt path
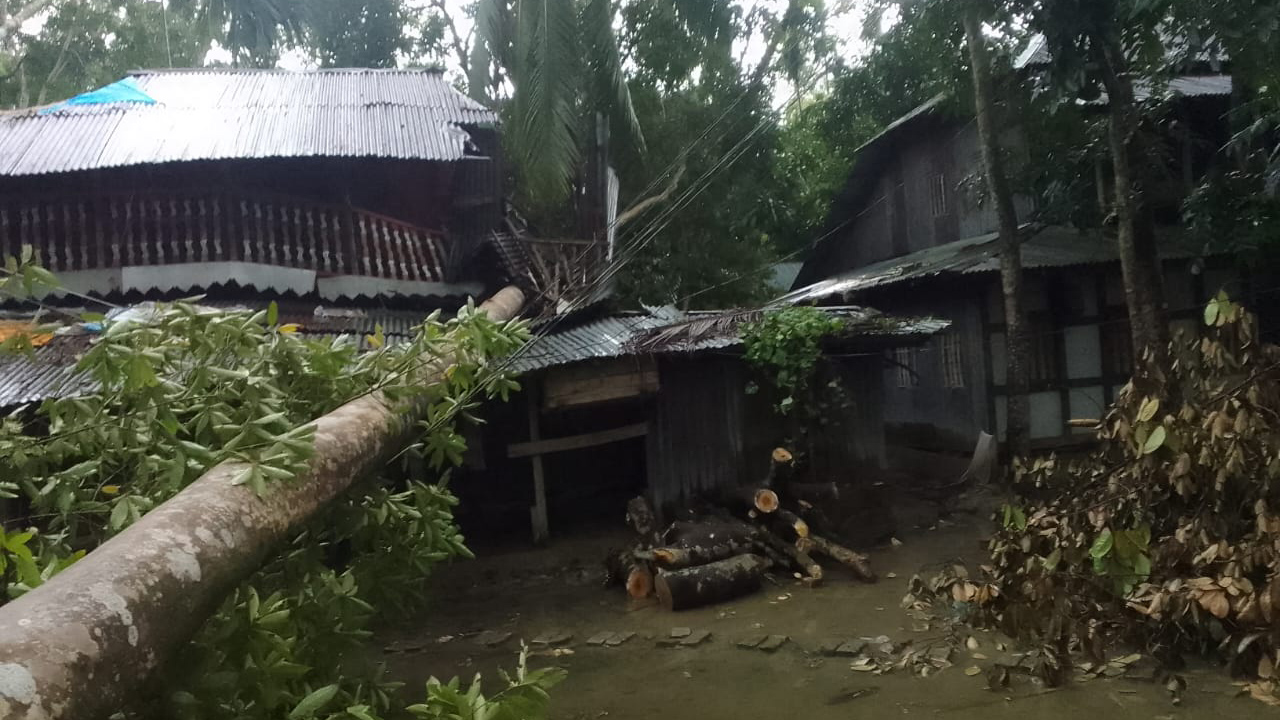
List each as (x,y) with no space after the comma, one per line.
(530,592)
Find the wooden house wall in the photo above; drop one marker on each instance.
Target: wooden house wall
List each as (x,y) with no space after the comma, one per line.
(924,411)
(1079,351)
(416,192)
(901,215)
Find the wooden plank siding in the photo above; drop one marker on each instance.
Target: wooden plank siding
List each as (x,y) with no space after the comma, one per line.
(596,382)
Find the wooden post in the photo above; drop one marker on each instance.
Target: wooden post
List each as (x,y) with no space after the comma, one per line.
(537,513)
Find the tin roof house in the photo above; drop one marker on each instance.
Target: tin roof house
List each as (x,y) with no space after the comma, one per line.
(352,197)
(908,236)
(332,185)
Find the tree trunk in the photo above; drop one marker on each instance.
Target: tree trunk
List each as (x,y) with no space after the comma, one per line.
(792,522)
(857,562)
(712,583)
(1139,261)
(710,532)
(1018,434)
(762,500)
(675,558)
(83,644)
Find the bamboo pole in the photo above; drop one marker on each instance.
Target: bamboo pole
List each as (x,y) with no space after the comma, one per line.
(84,643)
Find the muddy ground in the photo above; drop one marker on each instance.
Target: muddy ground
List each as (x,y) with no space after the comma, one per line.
(531,592)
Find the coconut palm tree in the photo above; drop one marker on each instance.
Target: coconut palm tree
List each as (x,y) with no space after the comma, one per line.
(554,67)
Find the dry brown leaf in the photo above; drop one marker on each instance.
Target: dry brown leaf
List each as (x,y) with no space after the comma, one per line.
(973,670)
(1264,692)
(1216,602)
(1266,668)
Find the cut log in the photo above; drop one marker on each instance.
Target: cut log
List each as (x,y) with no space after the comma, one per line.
(631,569)
(640,581)
(641,519)
(792,522)
(786,554)
(717,531)
(749,498)
(674,558)
(857,562)
(779,469)
(711,583)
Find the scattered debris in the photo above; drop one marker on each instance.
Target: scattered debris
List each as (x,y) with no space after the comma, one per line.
(680,632)
(772,643)
(600,638)
(552,637)
(697,637)
(751,642)
(619,638)
(493,638)
(845,696)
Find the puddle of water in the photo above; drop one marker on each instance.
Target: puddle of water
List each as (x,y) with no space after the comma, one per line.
(717,679)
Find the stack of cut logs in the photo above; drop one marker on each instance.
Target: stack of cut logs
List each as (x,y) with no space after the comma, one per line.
(725,548)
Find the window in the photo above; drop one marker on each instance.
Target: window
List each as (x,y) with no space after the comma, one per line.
(1042,342)
(905,360)
(952,361)
(938,194)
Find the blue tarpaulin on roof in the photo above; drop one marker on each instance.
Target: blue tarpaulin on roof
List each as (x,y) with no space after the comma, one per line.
(121,91)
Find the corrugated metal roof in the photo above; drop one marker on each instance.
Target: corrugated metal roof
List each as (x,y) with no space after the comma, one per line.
(624,335)
(602,338)
(47,372)
(214,114)
(1045,247)
(1183,86)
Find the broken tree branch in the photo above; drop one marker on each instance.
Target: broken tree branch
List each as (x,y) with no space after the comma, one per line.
(638,208)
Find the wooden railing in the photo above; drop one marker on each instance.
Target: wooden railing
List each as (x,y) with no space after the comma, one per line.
(75,232)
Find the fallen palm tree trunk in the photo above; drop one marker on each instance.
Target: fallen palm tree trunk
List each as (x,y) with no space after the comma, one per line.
(711,583)
(82,645)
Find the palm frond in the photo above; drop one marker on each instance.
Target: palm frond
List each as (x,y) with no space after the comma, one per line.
(544,115)
(685,335)
(605,64)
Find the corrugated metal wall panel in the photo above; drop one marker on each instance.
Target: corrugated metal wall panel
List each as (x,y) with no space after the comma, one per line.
(696,445)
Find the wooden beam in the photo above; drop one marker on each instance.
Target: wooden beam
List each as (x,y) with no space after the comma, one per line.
(536,447)
(537,513)
(598,382)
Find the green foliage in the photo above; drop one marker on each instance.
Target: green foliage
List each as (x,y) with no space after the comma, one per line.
(785,346)
(563,64)
(357,33)
(524,697)
(715,236)
(180,388)
(84,45)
